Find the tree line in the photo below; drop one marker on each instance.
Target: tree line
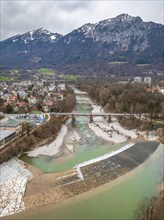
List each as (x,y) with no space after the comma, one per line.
(119,97)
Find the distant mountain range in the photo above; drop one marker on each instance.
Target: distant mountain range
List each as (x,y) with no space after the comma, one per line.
(90,49)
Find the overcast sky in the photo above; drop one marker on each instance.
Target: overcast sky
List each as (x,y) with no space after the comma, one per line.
(63,16)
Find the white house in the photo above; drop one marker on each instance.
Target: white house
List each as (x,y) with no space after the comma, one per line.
(161,91)
(61,87)
(147,80)
(137,79)
(32,100)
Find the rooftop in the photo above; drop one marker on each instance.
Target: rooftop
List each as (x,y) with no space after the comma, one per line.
(11,123)
(5,133)
(16,122)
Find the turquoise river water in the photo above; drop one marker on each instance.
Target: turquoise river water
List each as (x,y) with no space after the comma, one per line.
(117,200)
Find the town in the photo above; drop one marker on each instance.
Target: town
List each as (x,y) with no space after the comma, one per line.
(24,105)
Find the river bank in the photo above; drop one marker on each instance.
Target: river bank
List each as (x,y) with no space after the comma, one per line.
(14,178)
(52,148)
(82,198)
(113,131)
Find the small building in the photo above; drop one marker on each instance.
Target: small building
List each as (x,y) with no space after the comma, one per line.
(45,108)
(11,125)
(161,91)
(147,80)
(137,79)
(16,124)
(22,94)
(6,136)
(32,100)
(61,87)
(156,89)
(152,90)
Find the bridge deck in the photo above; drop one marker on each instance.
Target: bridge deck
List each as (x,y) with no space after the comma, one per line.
(88,114)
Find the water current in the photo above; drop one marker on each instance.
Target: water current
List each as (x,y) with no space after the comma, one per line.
(111,201)
(90,146)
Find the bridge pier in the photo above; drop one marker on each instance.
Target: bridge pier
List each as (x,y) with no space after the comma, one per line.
(91,119)
(109,118)
(73,120)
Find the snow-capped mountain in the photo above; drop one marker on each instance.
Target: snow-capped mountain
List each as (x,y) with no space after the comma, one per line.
(35,36)
(22,50)
(123,38)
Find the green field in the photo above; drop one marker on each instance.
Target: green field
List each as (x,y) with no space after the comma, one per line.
(4,79)
(36,112)
(142,65)
(69,77)
(44,70)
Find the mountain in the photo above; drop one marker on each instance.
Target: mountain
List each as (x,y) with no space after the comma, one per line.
(25,49)
(90,48)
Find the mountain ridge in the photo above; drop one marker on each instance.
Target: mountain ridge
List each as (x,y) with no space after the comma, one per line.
(123,38)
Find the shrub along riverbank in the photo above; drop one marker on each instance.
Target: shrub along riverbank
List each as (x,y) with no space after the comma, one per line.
(130,98)
(41,135)
(124,97)
(151,208)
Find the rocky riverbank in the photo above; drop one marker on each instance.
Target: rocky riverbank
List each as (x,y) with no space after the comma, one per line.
(14,177)
(113,131)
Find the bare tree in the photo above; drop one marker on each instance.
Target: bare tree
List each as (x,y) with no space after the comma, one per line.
(151,209)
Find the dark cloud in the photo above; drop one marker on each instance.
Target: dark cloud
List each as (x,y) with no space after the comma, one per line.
(21,16)
(74,5)
(63,16)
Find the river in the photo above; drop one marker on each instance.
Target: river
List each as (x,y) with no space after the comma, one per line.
(111,201)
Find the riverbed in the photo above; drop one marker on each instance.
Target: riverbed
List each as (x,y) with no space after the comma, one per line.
(86,147)
(123,194)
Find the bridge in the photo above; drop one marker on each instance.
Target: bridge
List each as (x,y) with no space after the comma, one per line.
(90,115)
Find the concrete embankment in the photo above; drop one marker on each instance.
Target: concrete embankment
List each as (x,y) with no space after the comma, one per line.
(98,159)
